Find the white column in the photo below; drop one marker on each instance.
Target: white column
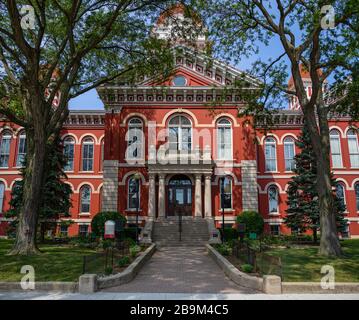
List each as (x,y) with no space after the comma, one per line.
(161,196)
(152,196)
(208,196)
(198,196)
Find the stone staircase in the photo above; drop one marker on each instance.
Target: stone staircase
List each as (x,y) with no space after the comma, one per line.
(194,232)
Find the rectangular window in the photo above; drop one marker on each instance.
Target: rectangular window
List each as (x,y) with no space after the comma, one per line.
(21,151)
(275,230)
(5,151)
(289,156)
(336,153)
(64,231)
(226,194)
(353,151)
(2,195)
(133,202)
(224,143)
(69,155)
(87,160)
(83,230)
(271,157)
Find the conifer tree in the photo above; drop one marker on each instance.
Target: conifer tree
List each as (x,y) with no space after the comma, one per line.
(303,204)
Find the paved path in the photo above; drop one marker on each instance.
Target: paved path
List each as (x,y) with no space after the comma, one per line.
(181,270)
(169,296)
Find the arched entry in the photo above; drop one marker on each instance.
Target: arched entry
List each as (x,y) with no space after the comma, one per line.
(179,196)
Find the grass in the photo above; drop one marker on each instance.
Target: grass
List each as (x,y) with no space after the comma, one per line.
(304,264)
(56,263)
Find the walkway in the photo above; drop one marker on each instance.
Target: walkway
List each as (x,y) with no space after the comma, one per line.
(181,270)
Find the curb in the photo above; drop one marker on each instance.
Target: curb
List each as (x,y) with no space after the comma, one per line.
(233,273)
(315,287)
(89,283)
(58,286)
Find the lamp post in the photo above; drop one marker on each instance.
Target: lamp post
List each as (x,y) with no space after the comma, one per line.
(137,195)
(222,203)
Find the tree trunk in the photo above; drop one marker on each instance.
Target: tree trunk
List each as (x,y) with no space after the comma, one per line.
(25,242)
(329,240)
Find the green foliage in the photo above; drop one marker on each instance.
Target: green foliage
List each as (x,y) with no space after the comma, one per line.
(108,243)
(303,202)
(247,268)
(98,222)
(131,233)
(230,234)
(56,195)
(108,270)
(134,250)
(131,242)
(124,261)
(223,249)
(253,220)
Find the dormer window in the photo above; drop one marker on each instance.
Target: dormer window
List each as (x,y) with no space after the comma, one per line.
(179,81)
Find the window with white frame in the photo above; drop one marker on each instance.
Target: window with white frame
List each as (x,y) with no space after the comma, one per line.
(133,193)
(275,229)
(224,139)
(357,195)
(102,154)
(135,145)
(87,154)
(226,193)
(353,148)
(336,149)
(83,230)
(180,134)
(85,199)
(273,199)
(2,196)
(69,153)
(270,154)
(64,230)
(289,153)
(340,193)
(21,149)
(5,149)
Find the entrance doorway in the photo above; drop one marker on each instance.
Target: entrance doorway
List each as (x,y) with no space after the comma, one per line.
(179,196)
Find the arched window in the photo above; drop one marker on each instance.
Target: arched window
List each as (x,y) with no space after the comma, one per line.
(353,148)
(340,193)
(69,152)
(289,153)
(133,194)
(5,149)
(336,149)
(224,139)
(226,192)
(180,133)
(21,149)
(270,154)
(85,199)
(2,195)
(135,139)
(273,199)
(87,154)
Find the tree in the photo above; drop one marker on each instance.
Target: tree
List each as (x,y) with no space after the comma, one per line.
(303,204)
(307,40)
(55,202)
(53,51)
(253,220)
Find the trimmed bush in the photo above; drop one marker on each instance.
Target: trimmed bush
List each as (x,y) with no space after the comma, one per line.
(247,268)
(230,234)
(223,249)
(134,250)
(253,220)
(124,261)
(98,222)
(131,232)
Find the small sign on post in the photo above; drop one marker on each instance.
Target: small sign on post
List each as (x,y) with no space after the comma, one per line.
(109,229)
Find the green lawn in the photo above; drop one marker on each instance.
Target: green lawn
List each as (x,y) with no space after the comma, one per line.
(56,263)
(305,264)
